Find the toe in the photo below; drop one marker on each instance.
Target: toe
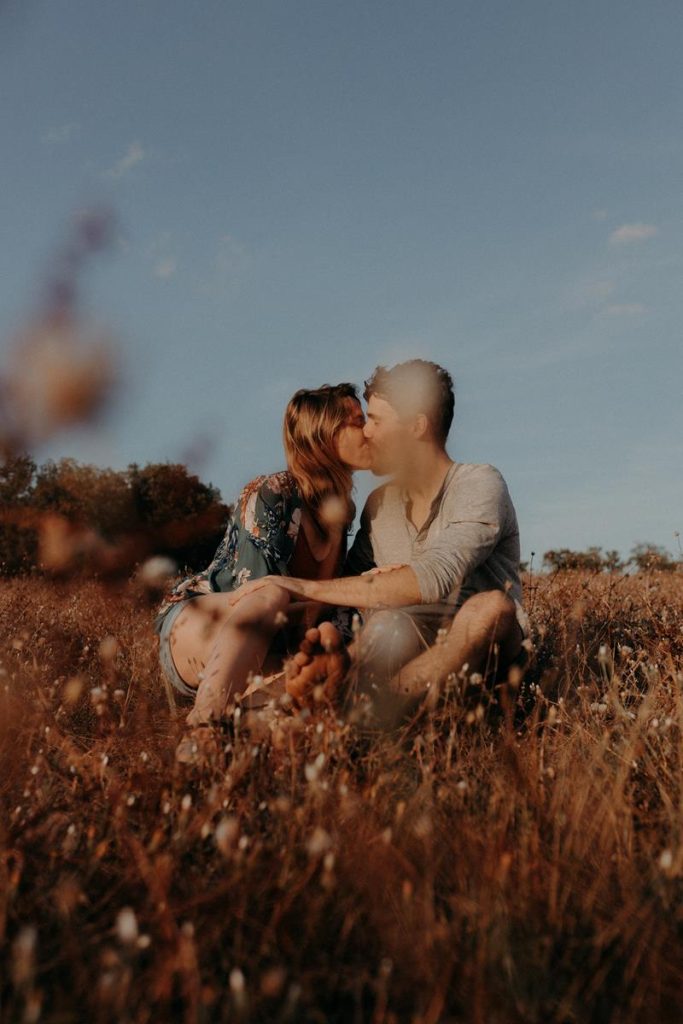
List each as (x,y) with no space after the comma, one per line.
(311,640)
(330,639)
(295,687)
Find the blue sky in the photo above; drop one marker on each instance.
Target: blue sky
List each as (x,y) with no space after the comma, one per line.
(306,189)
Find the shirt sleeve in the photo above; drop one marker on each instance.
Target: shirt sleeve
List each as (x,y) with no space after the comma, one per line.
(271,519)
(206,581)
(361,556)
(473,527)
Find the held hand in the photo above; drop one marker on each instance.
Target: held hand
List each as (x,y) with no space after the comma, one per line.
(201,586)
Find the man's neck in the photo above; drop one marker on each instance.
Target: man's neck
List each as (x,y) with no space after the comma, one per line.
(425,479)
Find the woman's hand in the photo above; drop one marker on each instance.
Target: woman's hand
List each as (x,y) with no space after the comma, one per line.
(201,586)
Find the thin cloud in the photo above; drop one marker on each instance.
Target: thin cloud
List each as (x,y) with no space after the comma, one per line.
(61,133)
(600,214)
(628,233)
(134,155)
(231,256)
(590,293)
(599,289)
(229,263)
(162,253)
(626,309)
(166,268)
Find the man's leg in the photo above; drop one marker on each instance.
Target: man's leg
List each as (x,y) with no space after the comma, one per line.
(394,659)
(389,640)
(360,677)
(485,636)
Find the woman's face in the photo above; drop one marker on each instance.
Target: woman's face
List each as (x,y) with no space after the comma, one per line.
(352,446)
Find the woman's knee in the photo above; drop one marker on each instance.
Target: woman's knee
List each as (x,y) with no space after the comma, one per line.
(263,605)
(273,596)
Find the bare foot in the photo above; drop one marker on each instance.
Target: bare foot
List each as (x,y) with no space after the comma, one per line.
(195,717)
(200,745)
(322,661)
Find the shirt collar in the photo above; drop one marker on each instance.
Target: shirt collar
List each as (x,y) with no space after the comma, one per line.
(405,500)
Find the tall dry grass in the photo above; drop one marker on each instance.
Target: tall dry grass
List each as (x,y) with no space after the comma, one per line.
(513,860)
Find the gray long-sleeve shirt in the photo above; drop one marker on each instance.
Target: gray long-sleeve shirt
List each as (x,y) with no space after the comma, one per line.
(468,543)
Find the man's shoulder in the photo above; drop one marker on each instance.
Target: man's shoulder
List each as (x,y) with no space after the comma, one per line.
(479,473)
(481,469)
(477,480)
(377,499)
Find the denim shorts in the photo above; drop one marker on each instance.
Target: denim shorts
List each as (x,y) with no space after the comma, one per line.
(165,656)
(284,644)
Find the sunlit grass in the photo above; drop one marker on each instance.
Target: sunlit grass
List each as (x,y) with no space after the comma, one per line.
(519,860)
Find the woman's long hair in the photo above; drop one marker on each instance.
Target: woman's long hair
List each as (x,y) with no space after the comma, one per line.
(312,421)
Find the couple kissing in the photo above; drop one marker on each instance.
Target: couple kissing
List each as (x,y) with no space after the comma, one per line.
(429,588)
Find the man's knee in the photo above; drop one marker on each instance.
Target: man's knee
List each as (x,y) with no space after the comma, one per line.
(490,610)
(389,639)
(394,627)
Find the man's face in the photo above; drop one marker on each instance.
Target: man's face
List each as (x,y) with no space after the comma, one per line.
(391,440)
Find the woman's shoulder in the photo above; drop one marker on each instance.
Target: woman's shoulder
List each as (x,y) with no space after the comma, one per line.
(270,487)
(266,493)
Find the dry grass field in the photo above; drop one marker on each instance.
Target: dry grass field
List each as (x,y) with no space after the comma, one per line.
(518,859)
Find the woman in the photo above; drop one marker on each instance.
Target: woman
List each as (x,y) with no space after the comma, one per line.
(291,523)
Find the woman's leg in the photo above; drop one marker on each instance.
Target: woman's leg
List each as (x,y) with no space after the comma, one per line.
(215,647)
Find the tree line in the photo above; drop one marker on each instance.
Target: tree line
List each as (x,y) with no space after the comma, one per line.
(65,516)
(642,558)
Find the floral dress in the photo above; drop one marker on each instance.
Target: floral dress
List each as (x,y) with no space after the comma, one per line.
(259,540)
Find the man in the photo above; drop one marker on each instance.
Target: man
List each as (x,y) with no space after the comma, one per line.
(434,567)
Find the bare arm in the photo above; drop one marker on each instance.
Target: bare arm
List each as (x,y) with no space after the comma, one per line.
(391,588)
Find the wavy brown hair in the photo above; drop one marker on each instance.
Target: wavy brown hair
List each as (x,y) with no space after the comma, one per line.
(312,420)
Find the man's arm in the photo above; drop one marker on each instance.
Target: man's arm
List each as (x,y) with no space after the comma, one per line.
(431,578)
(463,544)
(476,519)
(390,589)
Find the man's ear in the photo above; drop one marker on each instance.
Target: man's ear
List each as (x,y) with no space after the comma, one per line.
(420,426)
